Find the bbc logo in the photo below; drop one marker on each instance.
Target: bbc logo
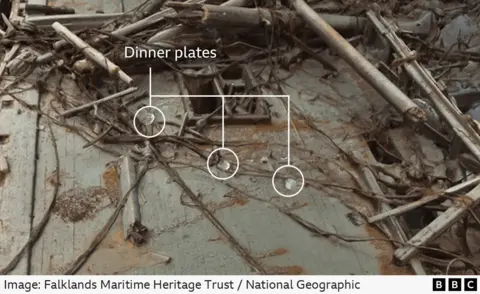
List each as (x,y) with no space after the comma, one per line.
(454,284)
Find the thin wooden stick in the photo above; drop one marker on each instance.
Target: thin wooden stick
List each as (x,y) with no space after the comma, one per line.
(410,206)
(404,208)
(75,110)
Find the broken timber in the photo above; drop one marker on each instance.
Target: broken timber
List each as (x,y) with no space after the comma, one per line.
(423,201)
(92,53)
(461,127)
(391,225)
(132,220)
(439,225)
(359,63)
(219,16)
(123,31)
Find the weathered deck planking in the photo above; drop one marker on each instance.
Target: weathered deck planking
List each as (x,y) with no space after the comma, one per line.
(18,129)
(280,244)
(196,247)
(88,188)
(182,233)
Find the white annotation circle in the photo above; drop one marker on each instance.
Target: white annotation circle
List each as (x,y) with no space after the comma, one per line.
(135,121)
(210,157)
(301,186)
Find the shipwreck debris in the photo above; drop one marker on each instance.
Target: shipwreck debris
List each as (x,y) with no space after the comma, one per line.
(364,68)
(462,128)
(439,225)
(133,229)
(421,75)
(92,53)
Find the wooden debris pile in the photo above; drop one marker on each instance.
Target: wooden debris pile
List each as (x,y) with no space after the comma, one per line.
(426,139)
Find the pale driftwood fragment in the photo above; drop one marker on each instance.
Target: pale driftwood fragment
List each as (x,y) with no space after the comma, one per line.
(7,22)
(423,201)
(404,208)
(84,66)
(4,169)
(439,225)
(91,53)
(75,110)
(7,58)
(128,177)
(359,63)
(21,63)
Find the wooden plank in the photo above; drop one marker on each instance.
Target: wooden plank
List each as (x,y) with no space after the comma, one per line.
(85,201)
(18,133)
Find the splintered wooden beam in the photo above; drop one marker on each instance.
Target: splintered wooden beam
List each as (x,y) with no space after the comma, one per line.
(423,201)
(439,225)
(230,16)
(91,53)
